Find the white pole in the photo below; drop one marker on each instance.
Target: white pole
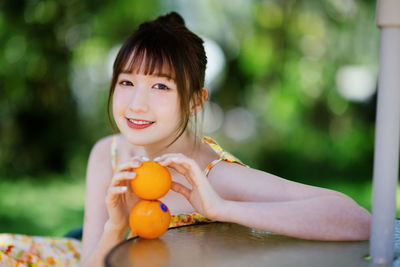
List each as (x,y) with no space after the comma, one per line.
(387,134)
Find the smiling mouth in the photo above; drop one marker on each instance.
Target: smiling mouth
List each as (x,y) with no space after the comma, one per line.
(139,124)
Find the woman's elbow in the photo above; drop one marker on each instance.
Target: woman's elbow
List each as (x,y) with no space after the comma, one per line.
(362,225)
(358,222)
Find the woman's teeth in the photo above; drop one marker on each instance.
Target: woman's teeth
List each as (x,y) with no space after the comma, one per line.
(140,122)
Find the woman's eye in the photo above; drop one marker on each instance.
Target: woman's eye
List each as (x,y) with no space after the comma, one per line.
(126,83)
(161,86)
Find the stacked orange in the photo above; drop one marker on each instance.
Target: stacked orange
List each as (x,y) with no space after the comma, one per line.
(150,218)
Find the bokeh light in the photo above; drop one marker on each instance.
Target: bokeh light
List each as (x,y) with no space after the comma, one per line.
(356,83)
(239,124)
(213,117)
(215,64)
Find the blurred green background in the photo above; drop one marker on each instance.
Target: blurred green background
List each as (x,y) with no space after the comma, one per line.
(292,82)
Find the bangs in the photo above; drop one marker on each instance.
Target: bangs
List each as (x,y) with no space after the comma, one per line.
(149,61)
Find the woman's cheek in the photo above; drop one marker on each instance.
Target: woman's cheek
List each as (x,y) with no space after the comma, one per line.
(121,97)
(119,103)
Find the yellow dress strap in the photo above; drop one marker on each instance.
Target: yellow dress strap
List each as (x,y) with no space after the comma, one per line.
(223,155)
(113,148)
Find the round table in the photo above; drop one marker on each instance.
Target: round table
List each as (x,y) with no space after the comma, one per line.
(228,244)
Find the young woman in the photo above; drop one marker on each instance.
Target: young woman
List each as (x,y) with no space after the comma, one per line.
(157,88)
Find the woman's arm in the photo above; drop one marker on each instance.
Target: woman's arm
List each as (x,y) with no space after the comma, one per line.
(97,239)
(329,217)
(236,182)
(308,212)
(266,202)
(108,202)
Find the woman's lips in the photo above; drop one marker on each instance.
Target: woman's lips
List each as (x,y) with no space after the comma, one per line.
(138,124)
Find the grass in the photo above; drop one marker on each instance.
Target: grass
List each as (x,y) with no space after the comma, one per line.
(55,205)
(47,207)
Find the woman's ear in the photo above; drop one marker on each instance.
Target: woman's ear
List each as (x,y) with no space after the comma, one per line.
(198,103)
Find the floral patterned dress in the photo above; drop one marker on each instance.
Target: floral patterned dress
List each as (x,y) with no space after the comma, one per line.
(18,250)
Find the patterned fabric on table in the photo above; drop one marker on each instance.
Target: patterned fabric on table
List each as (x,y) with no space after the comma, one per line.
(35,251)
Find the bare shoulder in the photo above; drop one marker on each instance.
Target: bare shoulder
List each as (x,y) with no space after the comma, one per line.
(237,182)
(102,147)
(100,157)
(226,171)
(229,178)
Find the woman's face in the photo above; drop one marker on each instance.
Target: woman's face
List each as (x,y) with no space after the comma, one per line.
(146,108)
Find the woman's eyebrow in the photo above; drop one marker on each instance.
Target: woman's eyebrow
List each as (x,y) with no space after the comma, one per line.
(125,72)
(164,75)
(157,74)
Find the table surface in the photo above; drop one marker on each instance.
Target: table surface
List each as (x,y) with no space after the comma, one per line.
(228,244)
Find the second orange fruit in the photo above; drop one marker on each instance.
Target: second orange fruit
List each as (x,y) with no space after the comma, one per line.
(152,180)
(149,218)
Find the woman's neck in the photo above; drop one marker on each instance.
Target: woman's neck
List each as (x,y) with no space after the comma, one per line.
(185,144)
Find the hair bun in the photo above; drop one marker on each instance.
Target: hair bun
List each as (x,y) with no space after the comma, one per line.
(172,18)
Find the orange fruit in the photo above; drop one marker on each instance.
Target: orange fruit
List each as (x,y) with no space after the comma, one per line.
(148,252)
(152,180)
(149,218)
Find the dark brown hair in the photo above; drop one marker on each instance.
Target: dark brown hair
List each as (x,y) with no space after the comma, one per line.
(165,41)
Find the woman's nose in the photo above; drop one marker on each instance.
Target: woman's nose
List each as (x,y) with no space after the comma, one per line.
(139,101)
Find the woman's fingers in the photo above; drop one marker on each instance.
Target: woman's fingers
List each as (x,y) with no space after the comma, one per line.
(131,164)
(183,165)
(121,177)
(114,193)
(181,189)
(125,171)
(117,190)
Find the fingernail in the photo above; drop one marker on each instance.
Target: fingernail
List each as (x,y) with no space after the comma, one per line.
(157,159)
(145,158)
(132,174)
(123,188)
(174,159)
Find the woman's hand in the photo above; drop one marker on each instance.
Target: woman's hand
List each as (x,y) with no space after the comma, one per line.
(120,198)
(202,196)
